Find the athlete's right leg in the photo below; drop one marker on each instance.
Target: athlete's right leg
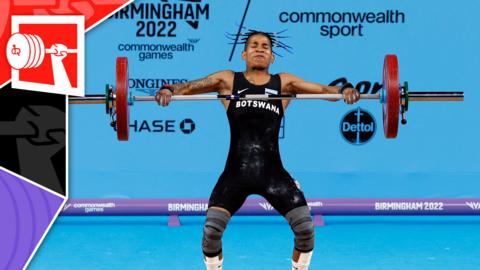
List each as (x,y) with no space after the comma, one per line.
(225,200)
(215,224)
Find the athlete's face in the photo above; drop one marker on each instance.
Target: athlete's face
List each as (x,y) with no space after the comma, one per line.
(258,52)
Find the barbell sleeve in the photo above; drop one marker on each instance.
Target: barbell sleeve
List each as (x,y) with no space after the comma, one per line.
(88,99)
(435,96)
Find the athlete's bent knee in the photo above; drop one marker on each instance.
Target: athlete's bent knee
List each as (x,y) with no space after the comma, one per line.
(301,223)
(215,225)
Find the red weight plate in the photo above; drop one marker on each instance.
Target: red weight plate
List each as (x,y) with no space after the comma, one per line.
(121,100)
(391,89)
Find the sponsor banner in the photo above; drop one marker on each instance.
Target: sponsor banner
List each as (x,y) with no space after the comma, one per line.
(100,207)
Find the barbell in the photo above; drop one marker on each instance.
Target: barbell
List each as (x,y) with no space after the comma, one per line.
(393,97)
(28,51)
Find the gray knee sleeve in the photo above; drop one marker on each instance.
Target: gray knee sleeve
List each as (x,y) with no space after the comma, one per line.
(215,225)
(301,223)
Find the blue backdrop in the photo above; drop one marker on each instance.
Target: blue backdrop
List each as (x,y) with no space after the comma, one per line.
(435,154)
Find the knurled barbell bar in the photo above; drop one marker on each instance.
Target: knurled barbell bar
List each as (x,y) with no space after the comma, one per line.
(393,97)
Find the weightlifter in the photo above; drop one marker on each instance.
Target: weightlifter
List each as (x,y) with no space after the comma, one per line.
(254,165)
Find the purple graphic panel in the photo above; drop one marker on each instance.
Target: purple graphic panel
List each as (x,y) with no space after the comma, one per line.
(25,213)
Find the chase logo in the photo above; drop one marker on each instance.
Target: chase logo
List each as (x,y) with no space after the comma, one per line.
(187,126)
(358,126)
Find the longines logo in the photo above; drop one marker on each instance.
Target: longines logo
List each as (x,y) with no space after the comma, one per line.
(149,86)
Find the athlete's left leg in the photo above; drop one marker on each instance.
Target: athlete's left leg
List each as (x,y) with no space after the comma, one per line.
(301,223)
(286,197)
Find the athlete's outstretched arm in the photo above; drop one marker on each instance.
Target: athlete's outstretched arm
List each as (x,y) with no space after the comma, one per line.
(294,85)
(211,83)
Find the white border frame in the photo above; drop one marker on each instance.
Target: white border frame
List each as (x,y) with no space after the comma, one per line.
(41,87)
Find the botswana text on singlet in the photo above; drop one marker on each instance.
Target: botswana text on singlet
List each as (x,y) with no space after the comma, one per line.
(257,104)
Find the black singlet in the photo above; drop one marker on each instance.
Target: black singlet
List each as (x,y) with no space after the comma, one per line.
(254,165)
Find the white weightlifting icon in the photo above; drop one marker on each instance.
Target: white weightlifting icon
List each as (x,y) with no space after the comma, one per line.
(28,51)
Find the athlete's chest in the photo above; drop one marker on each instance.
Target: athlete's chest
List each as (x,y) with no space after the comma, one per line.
(256,107)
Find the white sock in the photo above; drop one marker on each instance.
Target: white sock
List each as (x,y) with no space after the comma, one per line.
(213,263)
(303,261)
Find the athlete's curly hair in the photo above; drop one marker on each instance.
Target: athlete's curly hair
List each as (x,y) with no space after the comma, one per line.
(274,37)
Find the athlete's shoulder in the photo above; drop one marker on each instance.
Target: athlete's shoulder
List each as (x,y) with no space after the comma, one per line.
(222,73)
(223,76)
(289,76)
